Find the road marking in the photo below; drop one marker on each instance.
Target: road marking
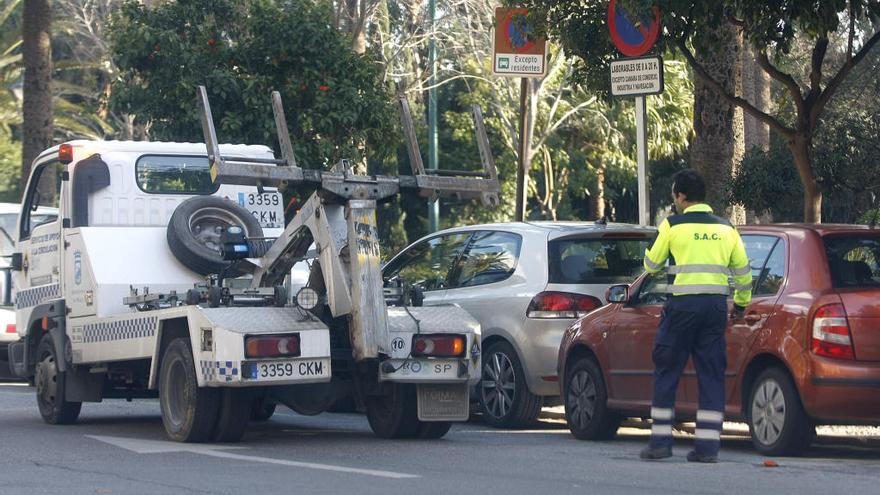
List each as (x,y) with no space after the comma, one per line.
(155,447)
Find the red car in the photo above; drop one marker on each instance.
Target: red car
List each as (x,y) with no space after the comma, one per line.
(807,353)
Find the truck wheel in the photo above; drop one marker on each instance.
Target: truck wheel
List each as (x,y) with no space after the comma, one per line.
(777,421)
(505,400)
(262,409)
(49,382)
(193,232)
(586,409)
(394,415)
(189,412)
(235,411)
(433,430)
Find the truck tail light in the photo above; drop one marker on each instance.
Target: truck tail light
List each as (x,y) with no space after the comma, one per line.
(438,345)
(551,304)
(270,346)
(831,337)
(10,328)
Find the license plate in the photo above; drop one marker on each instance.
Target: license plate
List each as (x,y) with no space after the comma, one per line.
(281,370)
(443,402)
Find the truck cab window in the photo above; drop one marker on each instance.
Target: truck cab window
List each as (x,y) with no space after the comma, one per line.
(43,197)
(170,174)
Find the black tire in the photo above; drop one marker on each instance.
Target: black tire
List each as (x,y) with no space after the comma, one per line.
(50,387)
(235,411)
(395,415)
(262,409)
(586,402)
(777,420)
(505,404)
(433,430)
(189,412)
(192,232)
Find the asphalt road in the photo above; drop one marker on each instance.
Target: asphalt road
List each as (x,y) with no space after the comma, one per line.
(119,448)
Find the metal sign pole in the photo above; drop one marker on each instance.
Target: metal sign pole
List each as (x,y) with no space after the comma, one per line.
(433,155)
(522,174)
(642,158)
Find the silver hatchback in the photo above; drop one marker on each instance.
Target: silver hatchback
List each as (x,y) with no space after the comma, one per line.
(525,282)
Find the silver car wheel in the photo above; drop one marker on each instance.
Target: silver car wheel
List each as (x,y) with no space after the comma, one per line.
(498,385)
(768,412)
(581,399)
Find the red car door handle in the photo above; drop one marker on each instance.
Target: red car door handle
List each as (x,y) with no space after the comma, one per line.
(754,317)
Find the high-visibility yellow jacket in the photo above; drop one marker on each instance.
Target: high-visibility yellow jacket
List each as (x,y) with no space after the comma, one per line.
(705,250)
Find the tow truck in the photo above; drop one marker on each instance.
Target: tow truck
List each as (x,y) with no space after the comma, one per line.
(164,275)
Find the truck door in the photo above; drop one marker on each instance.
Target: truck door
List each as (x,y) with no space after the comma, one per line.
(39,241)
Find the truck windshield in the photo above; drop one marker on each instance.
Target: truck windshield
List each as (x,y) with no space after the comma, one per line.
(166,174)
(853,260)
(596,261)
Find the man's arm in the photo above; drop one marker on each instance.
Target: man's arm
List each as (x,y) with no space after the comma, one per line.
(742,273)
(658,251)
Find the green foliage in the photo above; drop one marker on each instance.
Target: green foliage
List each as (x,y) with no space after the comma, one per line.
(241,51)
(768,182)
(10,168)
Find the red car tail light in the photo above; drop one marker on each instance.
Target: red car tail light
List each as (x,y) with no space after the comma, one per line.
(10,328)
(438,345)
(270,346)
(831,336)
(552,304)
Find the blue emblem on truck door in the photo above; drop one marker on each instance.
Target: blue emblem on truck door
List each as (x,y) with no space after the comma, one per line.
(77,267)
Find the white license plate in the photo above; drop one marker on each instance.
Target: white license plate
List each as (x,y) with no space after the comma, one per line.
(426,368)
(267,207)
(447,402)
(282,370)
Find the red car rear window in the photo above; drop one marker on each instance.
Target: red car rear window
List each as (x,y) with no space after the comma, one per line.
(853,260)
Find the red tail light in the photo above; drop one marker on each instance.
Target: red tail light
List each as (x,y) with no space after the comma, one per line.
(561,305)
(831,337)
(438,345)
(270,346)
(10,328)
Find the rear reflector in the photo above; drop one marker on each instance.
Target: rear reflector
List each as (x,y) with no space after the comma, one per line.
(269,346)
(10,328)
(552,304)
(831,336)
(438,345)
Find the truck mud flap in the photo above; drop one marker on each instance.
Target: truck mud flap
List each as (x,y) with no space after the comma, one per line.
(17,364)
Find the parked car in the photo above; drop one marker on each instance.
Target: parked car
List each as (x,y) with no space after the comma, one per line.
(8,223)
(525,283)
(807,353)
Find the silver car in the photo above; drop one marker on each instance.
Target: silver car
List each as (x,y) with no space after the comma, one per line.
(525,282)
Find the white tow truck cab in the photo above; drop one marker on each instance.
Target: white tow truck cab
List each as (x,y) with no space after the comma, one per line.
(164,276)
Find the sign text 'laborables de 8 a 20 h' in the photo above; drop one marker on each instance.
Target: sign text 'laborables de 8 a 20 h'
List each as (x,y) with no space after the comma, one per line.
(517,50)
(637,76)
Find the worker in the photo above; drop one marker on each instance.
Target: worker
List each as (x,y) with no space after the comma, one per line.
(704,251)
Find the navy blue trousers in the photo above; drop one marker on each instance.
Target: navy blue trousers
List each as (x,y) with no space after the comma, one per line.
(690,326)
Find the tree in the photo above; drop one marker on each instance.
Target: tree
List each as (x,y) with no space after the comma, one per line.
(37,104)
(241,51)
(770,28)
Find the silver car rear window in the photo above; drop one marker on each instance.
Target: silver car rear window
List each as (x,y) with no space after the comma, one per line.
(596,260)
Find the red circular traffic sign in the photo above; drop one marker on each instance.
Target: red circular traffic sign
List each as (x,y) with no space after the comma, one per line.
(632,33)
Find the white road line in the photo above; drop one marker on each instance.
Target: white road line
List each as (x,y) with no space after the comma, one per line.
(154,447)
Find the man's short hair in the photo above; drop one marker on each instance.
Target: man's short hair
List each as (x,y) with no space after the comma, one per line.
(690,183)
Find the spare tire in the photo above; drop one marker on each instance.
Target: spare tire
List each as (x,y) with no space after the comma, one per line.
(194,231)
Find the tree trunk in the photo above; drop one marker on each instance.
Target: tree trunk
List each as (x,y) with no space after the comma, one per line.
(37,104)
(801,149)
(717,148)
(756,90)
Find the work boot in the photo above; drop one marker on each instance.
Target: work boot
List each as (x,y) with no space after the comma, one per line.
(694,456)
(651,453)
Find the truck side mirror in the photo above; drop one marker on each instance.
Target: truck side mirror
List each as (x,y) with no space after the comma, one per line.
(16,262)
